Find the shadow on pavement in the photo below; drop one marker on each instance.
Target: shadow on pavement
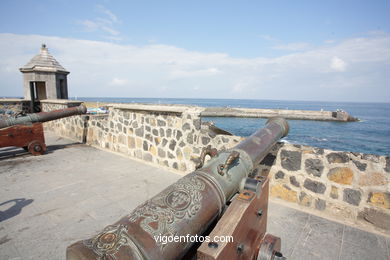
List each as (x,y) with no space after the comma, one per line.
(15,209)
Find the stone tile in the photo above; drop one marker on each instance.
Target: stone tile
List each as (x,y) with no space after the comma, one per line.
(351,251)
(8,249)
(326,229)
(92,203)
(371,241)
(311,246)
(287,214)
(388,246)
(112,212)
(287,232)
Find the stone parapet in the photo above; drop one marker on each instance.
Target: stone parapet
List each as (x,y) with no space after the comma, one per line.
(73,127)
(348,185)
(170,136)
(13,106)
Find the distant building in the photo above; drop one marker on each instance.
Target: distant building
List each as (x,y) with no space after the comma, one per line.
(44,78)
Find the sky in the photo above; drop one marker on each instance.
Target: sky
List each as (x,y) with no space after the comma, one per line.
(281,50)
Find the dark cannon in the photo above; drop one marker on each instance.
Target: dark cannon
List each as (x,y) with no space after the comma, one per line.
(27,131)
(222,196)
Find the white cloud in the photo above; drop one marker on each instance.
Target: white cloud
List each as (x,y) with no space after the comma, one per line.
(294,46)
(118,82)
(168,71)
(338,64)
(268,38)
(103,24)
(180,73)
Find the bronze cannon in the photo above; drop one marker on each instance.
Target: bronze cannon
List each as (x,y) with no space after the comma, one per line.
(27,131)
(222,196)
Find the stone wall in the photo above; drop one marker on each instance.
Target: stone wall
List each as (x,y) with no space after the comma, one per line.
(349,186)
(171,136)
(11,107)
(73,127)
(344,184)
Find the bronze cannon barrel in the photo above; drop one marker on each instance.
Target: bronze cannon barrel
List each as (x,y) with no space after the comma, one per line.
(186,208)
(43,116)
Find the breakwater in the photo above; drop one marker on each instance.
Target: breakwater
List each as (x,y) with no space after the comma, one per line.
(340,116)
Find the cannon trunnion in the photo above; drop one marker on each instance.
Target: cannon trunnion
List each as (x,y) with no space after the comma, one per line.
(194,205)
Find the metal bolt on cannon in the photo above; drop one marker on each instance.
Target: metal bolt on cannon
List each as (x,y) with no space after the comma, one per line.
(195,204)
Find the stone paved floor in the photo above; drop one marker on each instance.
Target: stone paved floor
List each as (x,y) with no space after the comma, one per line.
(72,192)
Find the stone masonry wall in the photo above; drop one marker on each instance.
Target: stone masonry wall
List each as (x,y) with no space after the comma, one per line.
(350,186)
(72,127)
(11,107)
(344,184)
(170,136)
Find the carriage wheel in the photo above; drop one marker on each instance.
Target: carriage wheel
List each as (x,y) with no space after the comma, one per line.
(36,148)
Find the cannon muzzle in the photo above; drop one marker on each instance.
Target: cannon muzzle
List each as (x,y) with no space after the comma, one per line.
(186,208)
(43,116)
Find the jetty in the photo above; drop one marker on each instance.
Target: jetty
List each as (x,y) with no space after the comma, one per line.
(338,115)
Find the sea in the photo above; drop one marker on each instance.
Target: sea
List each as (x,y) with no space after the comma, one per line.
(370,135)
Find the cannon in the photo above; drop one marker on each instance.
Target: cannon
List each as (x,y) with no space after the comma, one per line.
(27,131)
(223,197)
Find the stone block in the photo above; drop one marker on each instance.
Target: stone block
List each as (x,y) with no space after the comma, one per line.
(376,217)
(305,199)
(187,152)
(314,186)
(205,140)
(352,196)
(138,142)
(131,142)
(178,135)
(157,140)
(361,166)
(337,157)
(387,167)
(153,150)
(372,179)
(371,157)
(379,199)
(164,142)
(279,175)
(175,166)
(334,192)
(168,132)
(190,138)
(314,167)
(161,153)
(283,192)
(294,181)
(161,122)
(320,204)
(291,160)
(172,145)
(145,146)
(162,132)
(179,155)
(341,175)
(269,160)
(139,132)
(186,127)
